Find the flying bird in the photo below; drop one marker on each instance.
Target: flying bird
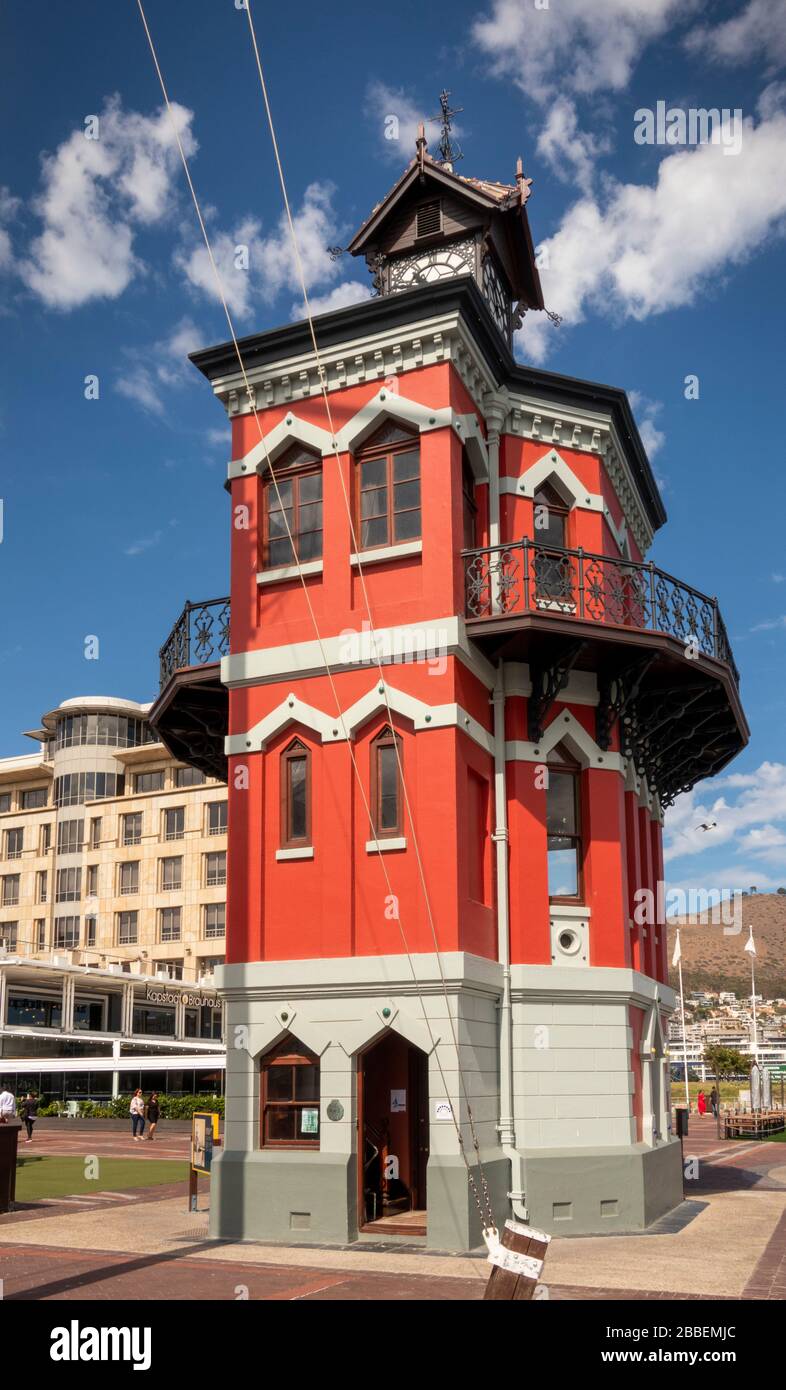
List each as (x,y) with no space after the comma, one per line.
(706,825)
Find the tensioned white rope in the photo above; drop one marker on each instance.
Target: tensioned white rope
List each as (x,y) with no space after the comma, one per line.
(487,1216)
(357,552)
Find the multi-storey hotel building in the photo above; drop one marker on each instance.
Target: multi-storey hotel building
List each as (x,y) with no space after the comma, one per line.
(112,880)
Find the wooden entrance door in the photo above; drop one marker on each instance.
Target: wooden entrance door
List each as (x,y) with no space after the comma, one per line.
(393,1134)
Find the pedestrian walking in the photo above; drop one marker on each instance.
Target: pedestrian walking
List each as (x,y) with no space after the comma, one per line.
(701,1103)
(29,1114)
(137,1113)
(7,1105)
(153,1115)
(714,1102)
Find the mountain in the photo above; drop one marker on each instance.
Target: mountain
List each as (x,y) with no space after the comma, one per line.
(712,960)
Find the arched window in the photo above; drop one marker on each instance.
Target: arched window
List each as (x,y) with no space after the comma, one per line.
(551,517)
(386,791)
(553,570)
(563,827)
(387,488)
(295,795)
(289,1087)
(293,500)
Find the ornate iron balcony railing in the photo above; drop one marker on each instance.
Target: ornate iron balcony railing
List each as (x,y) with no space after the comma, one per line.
(525,578)
(200,635)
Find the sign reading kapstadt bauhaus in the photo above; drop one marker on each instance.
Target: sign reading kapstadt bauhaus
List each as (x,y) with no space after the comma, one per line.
(171,996)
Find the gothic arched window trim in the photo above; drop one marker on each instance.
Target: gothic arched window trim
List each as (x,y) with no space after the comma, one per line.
(564,822)
(387,488)
(293,486)
(387,792)
(295,774)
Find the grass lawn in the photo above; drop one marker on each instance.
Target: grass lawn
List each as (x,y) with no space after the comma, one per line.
(51,1176)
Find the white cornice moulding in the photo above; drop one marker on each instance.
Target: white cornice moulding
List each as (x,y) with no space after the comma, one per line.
(374,356)
(335,729)
(421,642)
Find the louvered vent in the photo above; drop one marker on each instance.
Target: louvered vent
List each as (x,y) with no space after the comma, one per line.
(429,219)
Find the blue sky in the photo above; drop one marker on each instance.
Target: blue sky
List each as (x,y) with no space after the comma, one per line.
(664,261)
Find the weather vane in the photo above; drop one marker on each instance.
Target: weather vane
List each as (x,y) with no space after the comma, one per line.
(450,153)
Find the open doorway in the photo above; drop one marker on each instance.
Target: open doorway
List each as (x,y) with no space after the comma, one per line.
(393,1137)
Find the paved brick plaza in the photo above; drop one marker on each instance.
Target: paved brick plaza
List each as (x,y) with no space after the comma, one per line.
(727,1240)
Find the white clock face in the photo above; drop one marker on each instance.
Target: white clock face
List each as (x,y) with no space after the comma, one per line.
(442,263)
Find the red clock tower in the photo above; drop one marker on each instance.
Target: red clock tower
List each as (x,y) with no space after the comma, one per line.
(455,702)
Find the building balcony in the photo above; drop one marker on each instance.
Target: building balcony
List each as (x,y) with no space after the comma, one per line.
(666,674)
(190,714)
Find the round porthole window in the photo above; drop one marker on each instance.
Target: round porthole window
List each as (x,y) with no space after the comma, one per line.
(569,942)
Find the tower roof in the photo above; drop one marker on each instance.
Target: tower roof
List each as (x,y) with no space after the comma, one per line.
(498,208)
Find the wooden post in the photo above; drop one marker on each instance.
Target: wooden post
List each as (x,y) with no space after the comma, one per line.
(516,1259)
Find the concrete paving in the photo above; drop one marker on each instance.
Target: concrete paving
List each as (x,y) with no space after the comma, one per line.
(728,1240)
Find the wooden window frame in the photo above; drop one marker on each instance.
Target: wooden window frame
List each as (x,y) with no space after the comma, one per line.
(557,507)
(295,751)
(564,766)
(294,473)
(386,738)
(469,502)
(368,453)
(290,1054)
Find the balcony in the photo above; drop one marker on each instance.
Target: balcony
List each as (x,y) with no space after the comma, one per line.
(190,714)
(666,673)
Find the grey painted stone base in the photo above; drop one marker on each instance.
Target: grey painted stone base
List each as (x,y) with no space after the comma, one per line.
(311,1198)
(292,1197)
(454,1221)
(594,1191)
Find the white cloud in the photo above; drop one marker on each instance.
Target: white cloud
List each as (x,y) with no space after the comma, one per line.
(747,821)
(94,192)
(340,297)
(396,116)
(772,100)
(163,364)
(237,255)
(770,625)
(574,46)
(270,260)
(148,542)
(649,248)
(646,412)
(8,210)
(570,152)
(758,31)
(778,578)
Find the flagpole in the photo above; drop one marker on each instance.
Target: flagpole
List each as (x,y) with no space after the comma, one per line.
(678,957)
(753,998)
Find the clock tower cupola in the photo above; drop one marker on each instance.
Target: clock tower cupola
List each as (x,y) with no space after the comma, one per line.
(437,225)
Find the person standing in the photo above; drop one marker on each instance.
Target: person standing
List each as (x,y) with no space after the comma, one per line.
(153,1114)
(714,1102)
(29,1114)
(7,1105)
(701,1103)
(137,1113)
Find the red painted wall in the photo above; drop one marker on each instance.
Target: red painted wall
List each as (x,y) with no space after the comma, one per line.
(346,901)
